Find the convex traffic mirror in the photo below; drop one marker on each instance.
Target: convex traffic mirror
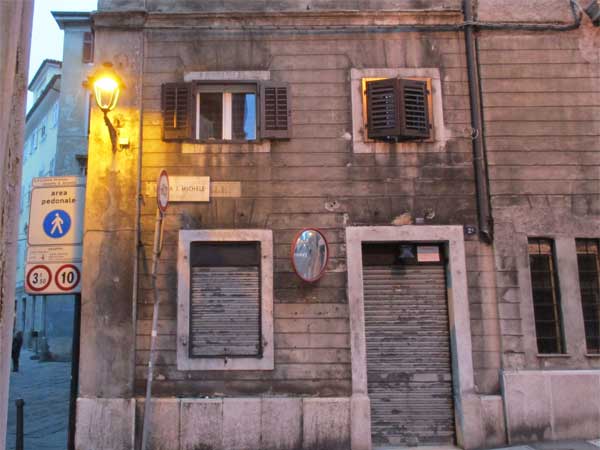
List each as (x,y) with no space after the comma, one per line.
(310,254)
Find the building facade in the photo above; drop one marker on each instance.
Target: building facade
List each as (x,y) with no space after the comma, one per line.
(56,134)
(459,301)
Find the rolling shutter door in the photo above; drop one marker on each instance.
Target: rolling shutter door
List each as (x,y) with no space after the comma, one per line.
(225,304)
(408,354)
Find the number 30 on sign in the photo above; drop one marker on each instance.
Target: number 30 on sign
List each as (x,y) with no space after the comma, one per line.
(58,278)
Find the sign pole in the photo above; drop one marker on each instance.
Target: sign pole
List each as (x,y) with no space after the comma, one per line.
(74,371)
(163,200)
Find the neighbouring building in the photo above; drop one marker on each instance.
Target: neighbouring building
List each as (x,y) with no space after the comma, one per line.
(56,134)
(448,154)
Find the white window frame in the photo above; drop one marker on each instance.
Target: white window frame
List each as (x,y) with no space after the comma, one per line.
(184,361)
(360,142)
(227,113)
(234,77)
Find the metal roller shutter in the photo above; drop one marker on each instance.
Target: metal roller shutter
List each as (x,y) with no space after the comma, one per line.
(225,311)
(408,354)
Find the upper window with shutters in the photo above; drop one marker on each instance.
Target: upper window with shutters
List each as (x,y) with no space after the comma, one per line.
(221,111)
(397,109)
(401,107)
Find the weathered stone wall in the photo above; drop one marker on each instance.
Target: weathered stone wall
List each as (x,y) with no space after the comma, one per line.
(313,180)
(541,105)
(277,5)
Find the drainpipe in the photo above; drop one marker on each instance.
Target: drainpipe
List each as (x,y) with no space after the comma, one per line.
(479,154)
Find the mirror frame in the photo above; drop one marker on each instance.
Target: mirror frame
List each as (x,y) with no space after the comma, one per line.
(322,272)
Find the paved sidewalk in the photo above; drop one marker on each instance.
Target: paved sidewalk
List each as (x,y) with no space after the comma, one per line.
(545,445)
(45,388)
(558,445)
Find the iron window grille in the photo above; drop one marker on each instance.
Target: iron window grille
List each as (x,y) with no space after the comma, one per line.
(226,112)
(588,263)
(546,297)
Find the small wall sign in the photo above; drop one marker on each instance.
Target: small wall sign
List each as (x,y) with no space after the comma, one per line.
(189,189)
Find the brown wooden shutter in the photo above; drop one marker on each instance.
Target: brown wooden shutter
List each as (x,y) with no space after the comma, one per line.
(397,110)
(178,111)
(275,111)
(415,109)
(88,47)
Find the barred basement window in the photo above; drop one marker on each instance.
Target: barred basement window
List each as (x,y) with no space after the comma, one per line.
(588,262)
(546,297)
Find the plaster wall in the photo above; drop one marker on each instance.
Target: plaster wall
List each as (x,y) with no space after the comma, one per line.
(109,248)
(534,11)
(539,407)
(74,105)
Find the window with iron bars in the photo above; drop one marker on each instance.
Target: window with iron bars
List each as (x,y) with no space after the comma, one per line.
(546,297)
(588,262)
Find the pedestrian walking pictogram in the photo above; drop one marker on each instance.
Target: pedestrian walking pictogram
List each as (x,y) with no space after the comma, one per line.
(57,223)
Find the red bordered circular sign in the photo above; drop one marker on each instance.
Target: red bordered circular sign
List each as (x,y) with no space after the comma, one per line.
(38,278)
(162,191)
(67,277)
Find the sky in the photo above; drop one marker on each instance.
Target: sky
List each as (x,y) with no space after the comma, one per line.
(47,38)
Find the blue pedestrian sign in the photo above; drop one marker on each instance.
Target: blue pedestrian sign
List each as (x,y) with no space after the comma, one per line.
(57,223)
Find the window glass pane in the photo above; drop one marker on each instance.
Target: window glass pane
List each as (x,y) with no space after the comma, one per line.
(244,116)
(588,263)
(546,299)
(211,115)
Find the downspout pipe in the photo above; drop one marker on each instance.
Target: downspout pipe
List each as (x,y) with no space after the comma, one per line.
(484,210)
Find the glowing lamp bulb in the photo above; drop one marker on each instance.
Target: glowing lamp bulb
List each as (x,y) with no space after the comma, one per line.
(106,90)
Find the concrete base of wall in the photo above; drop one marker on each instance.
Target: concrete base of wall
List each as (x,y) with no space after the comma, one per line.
(104,424)
(484,425)
(552,405)
(216,424)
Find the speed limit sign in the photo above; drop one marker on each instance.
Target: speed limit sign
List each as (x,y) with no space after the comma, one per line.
(67,277)
(53,278)
(38,278)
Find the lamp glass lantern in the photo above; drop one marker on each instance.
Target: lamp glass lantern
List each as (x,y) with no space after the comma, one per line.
(106,85)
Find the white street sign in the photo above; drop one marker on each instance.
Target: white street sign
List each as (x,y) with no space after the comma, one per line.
(55,236)
(56,215)
(48,254)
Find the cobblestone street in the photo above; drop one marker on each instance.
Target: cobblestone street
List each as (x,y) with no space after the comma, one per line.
(45,388)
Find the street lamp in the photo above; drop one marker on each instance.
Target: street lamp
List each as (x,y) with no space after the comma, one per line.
(106,85)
